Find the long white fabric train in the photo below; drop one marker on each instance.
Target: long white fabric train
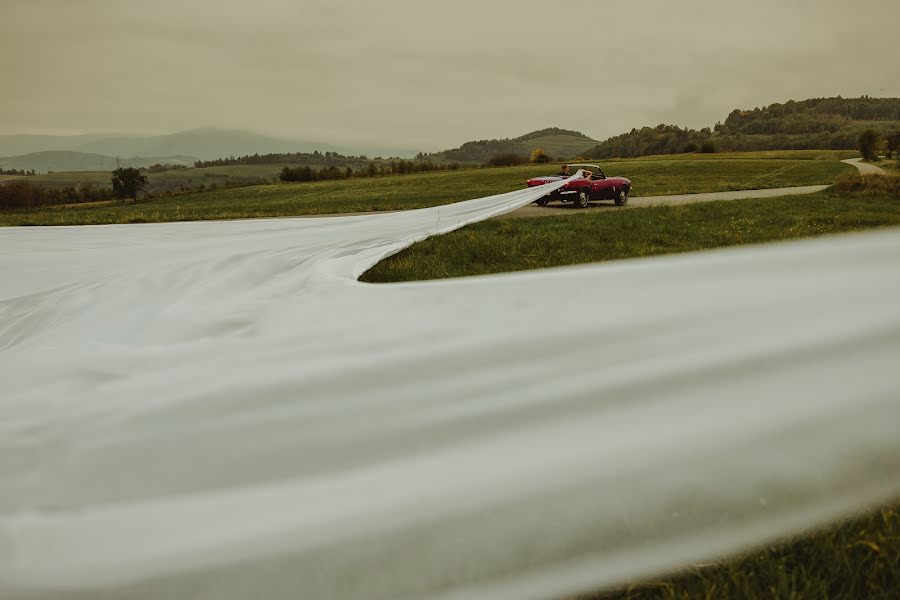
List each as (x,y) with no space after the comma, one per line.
(220,410)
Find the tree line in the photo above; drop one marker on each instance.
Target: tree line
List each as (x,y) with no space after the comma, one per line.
(817,115)
(318,159)
(20,172)
(372,169)
(22,194)
(816,124)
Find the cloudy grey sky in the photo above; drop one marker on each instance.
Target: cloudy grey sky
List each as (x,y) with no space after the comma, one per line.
(428,74)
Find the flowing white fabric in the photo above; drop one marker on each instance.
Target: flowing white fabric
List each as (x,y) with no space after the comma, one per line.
(220,410)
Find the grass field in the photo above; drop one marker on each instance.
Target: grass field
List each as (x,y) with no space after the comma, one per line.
(651,176)
(891,166)
(859,558)
(503,245)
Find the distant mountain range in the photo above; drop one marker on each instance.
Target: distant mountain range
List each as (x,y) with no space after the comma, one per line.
(64,160)
(30,151)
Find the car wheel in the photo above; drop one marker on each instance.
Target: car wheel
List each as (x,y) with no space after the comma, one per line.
(584,196)
(543,201)
(622,198)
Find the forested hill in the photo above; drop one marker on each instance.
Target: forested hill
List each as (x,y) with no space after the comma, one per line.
(819,115)
(557,142)
(816,124)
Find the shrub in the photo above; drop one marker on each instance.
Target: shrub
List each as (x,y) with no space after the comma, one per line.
(856,184)
(868,144)
(708,147)
(893,144)
(538,156)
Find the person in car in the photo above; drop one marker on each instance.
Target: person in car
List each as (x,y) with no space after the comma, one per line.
(565,172)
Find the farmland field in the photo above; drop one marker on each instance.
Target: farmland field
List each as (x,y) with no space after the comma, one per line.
(652,176)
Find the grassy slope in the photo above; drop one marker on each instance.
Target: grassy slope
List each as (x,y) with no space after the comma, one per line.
(518,244)
(891,166)
(561,146)
(651,176)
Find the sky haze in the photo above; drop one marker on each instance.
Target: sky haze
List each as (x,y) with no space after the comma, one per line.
(425,74)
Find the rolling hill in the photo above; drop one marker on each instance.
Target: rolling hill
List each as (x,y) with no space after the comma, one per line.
(558,143)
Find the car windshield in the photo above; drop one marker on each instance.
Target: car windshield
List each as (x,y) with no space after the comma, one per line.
(595,170)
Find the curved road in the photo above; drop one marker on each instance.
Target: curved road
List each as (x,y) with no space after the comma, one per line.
(864,168)
(533,210)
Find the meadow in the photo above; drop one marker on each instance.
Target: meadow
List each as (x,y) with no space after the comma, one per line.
(503,245)
(651,176)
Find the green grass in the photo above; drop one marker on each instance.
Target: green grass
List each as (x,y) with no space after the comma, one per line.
(60,179)
(891,166)
(856,559)
(829,155)
(503,245)
(651,176)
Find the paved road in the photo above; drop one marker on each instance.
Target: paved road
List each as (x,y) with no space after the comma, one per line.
(533,210)
(864,168)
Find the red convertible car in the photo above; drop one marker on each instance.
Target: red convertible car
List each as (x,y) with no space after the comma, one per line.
(593,186)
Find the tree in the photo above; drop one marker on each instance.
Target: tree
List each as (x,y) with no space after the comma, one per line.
(127,182)
(538,156)
(868,144)
(893,144)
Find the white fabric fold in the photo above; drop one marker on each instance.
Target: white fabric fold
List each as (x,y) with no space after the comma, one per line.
(220,410)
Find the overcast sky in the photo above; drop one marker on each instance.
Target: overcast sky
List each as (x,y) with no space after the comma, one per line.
(428,74)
